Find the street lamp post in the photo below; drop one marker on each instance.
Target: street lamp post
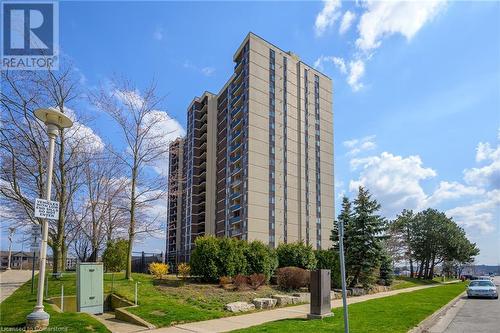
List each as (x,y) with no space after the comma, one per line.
(54,120)
(342,272)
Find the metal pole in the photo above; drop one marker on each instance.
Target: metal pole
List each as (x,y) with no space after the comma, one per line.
(33,272)
(342,273)
(46,285)
(135,298)
(62,297)
(39,315)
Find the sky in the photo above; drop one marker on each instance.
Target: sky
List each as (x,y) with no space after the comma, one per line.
(416,87)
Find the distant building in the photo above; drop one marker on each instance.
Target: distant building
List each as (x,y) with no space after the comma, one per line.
(257,159)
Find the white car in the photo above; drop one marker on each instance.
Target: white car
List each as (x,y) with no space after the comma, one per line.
(482,288)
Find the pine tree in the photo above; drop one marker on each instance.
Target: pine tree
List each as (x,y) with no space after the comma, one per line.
(345,216)
(364,235)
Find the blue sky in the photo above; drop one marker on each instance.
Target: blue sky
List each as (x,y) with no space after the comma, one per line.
(416,86)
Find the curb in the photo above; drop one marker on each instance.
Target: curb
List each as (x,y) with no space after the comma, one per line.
(428,322)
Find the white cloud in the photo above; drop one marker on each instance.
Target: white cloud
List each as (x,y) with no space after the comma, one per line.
(480,215)
(337,61)
(166,129)
(394,180)
(452,191)
(488,175)
(346,22)
(80,136)
(356,72)
(327,17)
(379,19)
(385,18)
(158,33)
(208,71)
(357,146)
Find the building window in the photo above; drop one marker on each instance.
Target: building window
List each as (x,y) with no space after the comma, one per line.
(272,156)
(318,160)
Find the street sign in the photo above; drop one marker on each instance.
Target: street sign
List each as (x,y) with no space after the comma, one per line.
(46,209)
(36,236)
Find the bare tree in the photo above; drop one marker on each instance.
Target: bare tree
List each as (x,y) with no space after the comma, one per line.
(136,113)
(23,150)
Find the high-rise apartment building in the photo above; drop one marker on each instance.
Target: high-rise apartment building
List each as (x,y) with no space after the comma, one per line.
(269,136)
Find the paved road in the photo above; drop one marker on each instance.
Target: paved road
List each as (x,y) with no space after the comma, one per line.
(471,316)
(11,280)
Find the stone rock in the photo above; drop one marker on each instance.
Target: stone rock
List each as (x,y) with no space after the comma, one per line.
(303,297)
(239,307)
(358,292)
(285,299)
(264,303)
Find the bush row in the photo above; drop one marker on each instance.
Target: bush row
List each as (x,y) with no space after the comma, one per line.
(214,257)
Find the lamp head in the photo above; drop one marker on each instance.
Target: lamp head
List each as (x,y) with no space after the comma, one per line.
(51,116)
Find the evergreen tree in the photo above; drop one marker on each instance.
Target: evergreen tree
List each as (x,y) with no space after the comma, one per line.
(364,235)
(345,216)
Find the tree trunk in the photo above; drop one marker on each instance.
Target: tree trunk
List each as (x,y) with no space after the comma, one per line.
(60,230)
(411,267)
(131,229)
(421,269)
(431,270)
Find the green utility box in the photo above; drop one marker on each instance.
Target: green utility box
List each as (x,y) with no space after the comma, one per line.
(89,284)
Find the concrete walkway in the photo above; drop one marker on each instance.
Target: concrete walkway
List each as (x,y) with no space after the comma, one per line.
(243,321)
(118,326)
(11,280)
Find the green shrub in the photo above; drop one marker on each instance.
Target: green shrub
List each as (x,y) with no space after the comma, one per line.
(386,273)
(232,260)
(205,258)
(292,278)
(261,259)
(328,259)
(296,255)
(115,255)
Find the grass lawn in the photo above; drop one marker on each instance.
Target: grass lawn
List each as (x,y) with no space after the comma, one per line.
(394,314)
(162,304)
(407,282)
(14,309)
(173,302)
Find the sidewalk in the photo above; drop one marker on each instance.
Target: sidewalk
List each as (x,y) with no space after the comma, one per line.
(243,321)
(11,280)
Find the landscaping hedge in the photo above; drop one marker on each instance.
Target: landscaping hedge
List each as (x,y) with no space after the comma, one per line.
(214,257)
(328,259)
(296,255)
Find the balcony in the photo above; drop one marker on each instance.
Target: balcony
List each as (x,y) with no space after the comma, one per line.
(236,171)
(239,77)
(235,232)
(235,135)
(234,159)
(235,122)
(237,89)
(235,195)
(235,207)
(235,103)
(235,112)
(235,219)
(238,66)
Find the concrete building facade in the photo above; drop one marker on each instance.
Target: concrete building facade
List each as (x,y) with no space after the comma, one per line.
(271,177)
